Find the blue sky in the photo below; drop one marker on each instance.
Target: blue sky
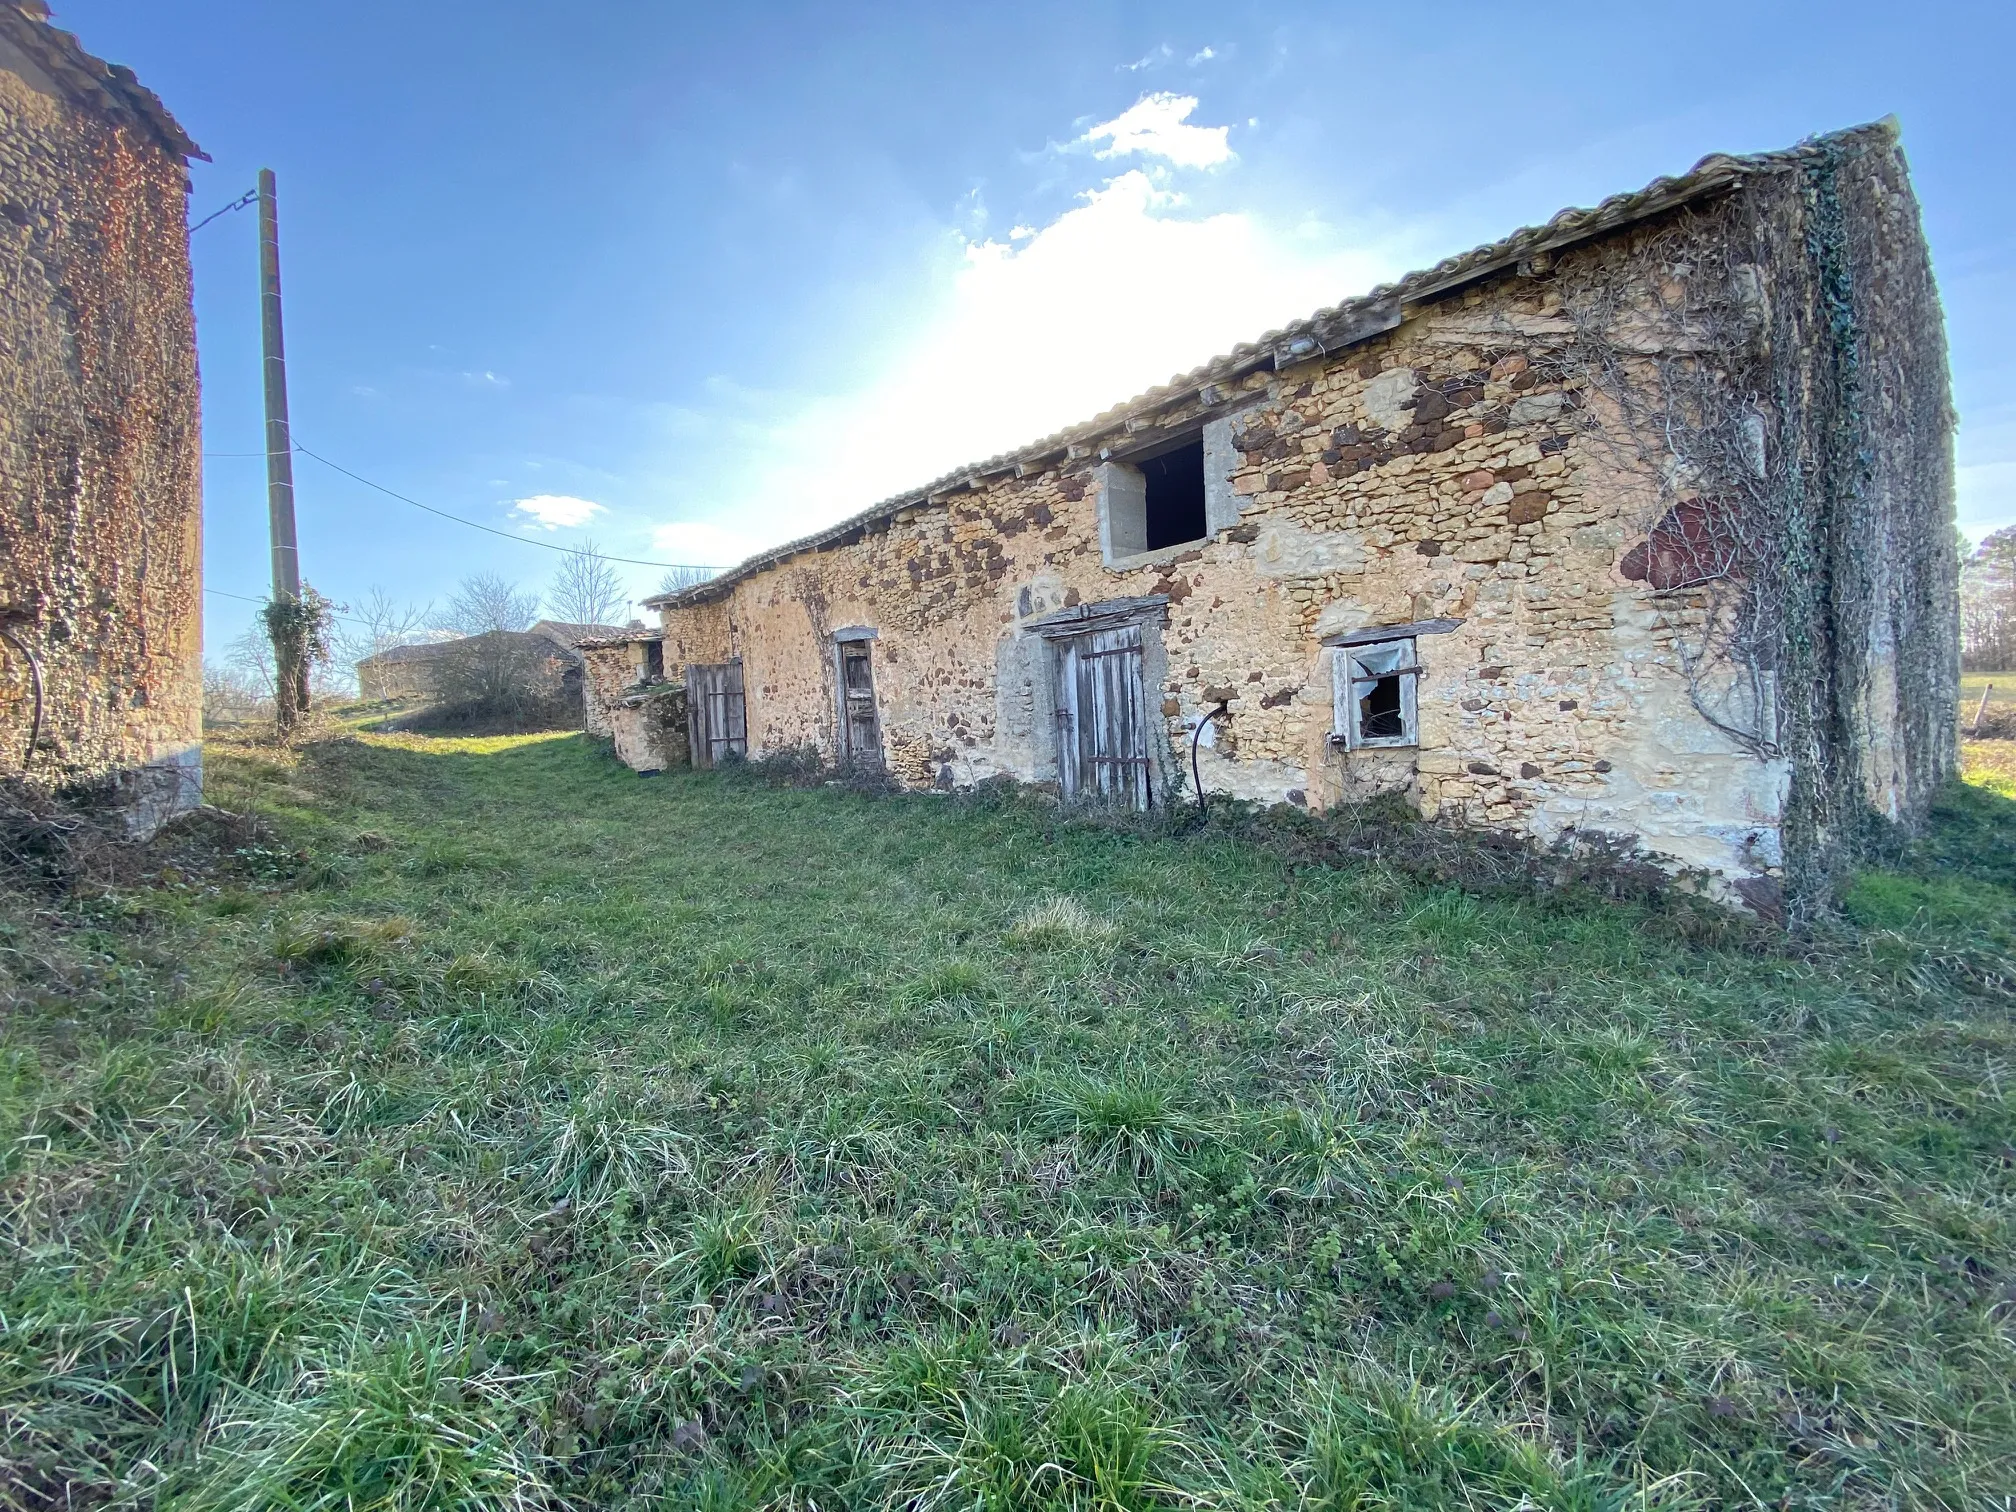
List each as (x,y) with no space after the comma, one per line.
(692,280)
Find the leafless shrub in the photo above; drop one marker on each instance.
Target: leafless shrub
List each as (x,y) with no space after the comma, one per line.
(483,602)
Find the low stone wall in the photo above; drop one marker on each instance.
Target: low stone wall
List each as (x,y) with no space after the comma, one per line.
(649,728)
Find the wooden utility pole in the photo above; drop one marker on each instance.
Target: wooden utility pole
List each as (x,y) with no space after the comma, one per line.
(290,663)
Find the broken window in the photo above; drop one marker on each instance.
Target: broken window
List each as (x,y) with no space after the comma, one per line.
(1173,500)
(1375,694)
(1147,503)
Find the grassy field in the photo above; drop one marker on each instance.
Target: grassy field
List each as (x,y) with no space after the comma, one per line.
(506,1131)
(1974,684)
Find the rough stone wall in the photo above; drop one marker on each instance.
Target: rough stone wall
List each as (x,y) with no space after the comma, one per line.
(649,729)
(644,720)
(606,672)
(1865,423)
(1445,469)
(99,451)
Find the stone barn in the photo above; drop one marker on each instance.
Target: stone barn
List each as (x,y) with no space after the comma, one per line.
(1635,523)
(629,700)
(101,680)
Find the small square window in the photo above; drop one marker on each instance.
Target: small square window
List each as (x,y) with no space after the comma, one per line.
(1374,694)
(1152,503)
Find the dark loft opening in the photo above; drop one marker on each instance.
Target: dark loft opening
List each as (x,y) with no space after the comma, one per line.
(654,661)
(1175,496)
(1379,715)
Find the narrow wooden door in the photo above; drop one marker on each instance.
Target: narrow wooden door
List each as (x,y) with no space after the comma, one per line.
(1102,723)
(860,728)
(717,719)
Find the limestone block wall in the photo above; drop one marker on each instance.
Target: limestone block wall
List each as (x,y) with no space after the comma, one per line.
(645,719)
(100,483)
(381,679)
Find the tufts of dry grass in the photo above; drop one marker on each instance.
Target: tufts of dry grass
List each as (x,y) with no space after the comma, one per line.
(506,1133)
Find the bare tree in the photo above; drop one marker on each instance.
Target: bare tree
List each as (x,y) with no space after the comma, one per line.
(378,623)
(249,659)
(1988,604)
(586,589)
(496,670)
(232,696)
(679,579)
(484,601)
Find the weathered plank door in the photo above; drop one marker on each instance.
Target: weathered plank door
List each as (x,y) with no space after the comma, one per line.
(1102,719)
(716,717)
(860,729)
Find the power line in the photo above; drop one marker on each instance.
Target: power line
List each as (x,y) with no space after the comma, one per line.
(491,529)
(348,619)
(238,204)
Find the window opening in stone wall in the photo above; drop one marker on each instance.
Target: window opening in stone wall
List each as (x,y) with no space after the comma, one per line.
(654,661)
(1375,694)
(1173,501)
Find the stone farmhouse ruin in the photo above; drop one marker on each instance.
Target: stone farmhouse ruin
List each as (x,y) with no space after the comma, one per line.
(101,683)
(1638,522)
(543,660)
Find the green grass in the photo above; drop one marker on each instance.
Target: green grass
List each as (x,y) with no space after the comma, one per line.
(518,1133)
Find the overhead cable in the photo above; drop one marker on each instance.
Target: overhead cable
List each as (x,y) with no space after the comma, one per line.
(491,529)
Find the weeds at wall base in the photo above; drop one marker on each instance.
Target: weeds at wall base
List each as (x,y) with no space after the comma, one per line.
(1576,867)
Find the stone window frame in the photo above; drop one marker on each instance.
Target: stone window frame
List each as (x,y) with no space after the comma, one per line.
(1123,493)
(1372,655)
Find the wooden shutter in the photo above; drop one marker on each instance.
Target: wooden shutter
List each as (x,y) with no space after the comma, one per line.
(1102,744)
(716,715)
(860,730)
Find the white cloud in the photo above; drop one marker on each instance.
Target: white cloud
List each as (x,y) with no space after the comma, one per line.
(486,379)
(1203,55)
(556,511)
(1155,58)
(1017,338)
(700,543)
(1154,126)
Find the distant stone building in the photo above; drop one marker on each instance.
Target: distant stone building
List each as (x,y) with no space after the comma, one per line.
(397,673)
(1638,522)
(100,453)
(541,665)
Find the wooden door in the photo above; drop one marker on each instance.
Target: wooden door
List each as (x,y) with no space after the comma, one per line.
(1102,719)
(860,728)
(717,719)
